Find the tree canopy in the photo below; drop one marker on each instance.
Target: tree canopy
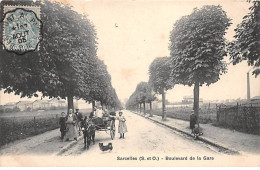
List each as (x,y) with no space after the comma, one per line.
(247,39)
(159,75)
(66,64)
(198,46)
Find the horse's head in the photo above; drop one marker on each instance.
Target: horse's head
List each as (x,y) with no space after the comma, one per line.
(87,125)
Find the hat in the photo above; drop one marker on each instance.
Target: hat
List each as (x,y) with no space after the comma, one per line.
(77,109)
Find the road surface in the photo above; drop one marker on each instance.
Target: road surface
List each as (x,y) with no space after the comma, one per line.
(143,137)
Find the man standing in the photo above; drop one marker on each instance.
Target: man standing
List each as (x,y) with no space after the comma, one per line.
(193,121)
(79,120)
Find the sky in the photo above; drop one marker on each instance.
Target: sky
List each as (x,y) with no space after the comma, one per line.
(131,34)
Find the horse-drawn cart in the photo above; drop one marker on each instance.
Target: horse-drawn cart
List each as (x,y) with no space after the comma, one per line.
(89,126)
(106,123)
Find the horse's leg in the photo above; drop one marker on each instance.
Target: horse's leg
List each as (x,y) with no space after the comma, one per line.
(85,140)
(88,141)
(93,138)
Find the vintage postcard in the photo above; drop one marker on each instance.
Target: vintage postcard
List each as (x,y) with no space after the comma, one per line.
(129,83)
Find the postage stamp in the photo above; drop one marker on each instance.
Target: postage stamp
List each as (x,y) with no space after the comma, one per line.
(21,29)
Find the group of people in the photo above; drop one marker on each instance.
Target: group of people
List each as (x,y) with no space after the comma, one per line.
(70,124)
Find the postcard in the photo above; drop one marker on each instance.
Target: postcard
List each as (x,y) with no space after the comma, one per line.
(129,83)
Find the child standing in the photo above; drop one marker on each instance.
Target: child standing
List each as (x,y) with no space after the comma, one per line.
(122,129)
(62,123)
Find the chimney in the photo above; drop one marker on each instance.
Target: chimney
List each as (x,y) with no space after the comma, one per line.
(248,88)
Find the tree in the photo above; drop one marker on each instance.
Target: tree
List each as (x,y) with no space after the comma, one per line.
(198,47)
(141,95)
(159,79)
(141,90)
(101,84)
(150,97)
(247,42)
(63,65)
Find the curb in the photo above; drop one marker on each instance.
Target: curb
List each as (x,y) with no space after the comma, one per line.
(204,139)
(68,146)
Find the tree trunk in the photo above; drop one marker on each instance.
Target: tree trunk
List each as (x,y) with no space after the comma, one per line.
(70,102)
(93,105)
(144,108)
(140,107)
(163,106)
(151,109)
(196,100)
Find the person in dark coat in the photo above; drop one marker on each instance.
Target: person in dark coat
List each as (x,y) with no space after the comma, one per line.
(193,121)
(79,115)
(62,123)
(79,120)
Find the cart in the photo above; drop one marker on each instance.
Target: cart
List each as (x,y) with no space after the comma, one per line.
(106,123)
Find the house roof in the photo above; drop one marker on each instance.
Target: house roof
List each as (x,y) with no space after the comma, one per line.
(24,102)
(41,101)
(10,103)
(56,100)
(256,97)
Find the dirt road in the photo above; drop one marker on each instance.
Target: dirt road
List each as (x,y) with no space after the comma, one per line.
(144,137)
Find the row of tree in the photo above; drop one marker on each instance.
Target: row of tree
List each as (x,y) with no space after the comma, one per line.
(198,47)
(143,94)
(66,64)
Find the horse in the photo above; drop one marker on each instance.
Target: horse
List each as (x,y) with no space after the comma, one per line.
(89,130)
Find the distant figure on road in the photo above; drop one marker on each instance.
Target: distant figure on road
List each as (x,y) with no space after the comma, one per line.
(62,123)
(193,121)
(79,120)
(122,129)
(71,126)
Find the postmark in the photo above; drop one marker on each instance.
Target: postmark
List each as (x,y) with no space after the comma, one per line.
(22,29)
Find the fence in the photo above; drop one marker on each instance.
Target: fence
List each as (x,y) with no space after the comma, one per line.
(207,113)
(14,128)
(243,117)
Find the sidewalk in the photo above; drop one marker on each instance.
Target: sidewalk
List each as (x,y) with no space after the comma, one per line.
(44,144)
(231,139)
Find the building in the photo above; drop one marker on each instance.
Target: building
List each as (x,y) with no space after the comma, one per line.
(24,105)
(10,105)
(40,104)
(57,103)
(190,99)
